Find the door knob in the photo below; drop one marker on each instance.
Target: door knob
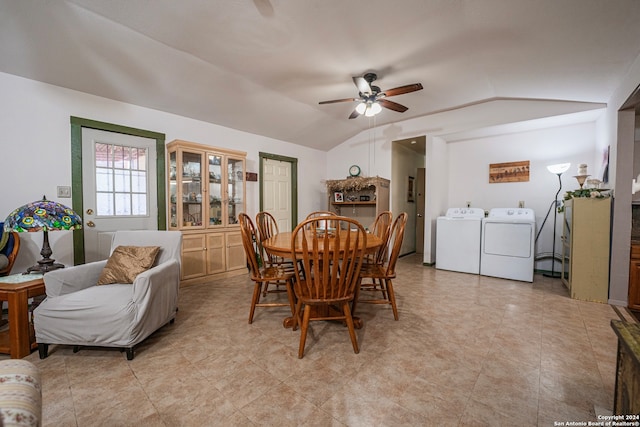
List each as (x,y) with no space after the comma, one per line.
(419,215)
(91,224)
(89,211)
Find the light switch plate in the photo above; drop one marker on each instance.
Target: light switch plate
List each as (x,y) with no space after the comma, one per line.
(64,191)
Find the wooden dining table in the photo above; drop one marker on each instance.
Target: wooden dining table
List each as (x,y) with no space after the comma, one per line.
(281,245)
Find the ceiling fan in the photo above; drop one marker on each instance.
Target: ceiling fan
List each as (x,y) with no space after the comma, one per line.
(372,99)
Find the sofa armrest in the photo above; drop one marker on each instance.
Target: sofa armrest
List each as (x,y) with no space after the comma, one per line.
(20,393)
(72,279)
(166,275)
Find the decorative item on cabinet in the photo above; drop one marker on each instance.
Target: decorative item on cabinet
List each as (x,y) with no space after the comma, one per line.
(205,210)
(362,198)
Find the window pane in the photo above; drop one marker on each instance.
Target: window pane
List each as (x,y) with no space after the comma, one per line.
(104,179)
(122,180)
(104,204)
(123,203)
(102,155)
(142,159)
(138,182)
(139,204)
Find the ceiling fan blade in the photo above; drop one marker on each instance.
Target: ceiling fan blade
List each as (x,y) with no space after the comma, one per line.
(354,114)
(362,85)
(403,89)
(392,105)
(339,100)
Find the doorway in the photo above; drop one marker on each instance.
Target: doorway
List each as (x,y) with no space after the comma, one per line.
(154,162)
(408,161)
(279,189)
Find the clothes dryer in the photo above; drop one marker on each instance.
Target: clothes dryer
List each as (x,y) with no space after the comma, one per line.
(458,240)
(508,244)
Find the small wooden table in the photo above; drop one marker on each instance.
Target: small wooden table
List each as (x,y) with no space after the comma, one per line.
(16,290)
(280,245)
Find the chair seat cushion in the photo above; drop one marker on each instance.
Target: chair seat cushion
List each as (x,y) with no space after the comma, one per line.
(126,262)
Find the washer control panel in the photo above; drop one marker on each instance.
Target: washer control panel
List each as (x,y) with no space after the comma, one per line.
(524,214)
(465,213)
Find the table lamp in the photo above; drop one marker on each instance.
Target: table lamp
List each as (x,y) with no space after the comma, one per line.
(43,215)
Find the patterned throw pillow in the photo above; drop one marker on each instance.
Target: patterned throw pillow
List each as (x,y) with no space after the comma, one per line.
(126,262)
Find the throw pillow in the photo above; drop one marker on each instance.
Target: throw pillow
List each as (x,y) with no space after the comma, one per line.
(126,262)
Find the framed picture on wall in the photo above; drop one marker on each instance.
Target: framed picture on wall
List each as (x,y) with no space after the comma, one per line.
(410,190)
(338,197)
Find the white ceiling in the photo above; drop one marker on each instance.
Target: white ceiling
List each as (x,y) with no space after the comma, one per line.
(262,66)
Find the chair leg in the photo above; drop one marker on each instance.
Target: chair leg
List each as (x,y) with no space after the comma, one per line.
(76,348)
(129,353)
(292,303)
(356,295)
(43,350)
(305,327)
(254,300)
(392,298)
(352,331)
(296,316)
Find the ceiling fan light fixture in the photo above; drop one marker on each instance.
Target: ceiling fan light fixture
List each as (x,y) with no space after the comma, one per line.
(375,108)
(361,108)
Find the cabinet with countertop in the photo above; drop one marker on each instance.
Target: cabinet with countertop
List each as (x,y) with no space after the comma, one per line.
(634,276)
(585,241)
(360,198)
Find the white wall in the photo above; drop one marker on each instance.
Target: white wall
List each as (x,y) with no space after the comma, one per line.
(469,173)
(459,172)
(35,154)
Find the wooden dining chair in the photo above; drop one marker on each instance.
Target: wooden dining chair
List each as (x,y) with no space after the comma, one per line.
(267,228)
(265,275)
(381,275)
(381,228)
(321,214)
(331,262)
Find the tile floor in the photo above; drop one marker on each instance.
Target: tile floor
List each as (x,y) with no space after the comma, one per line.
(467,350)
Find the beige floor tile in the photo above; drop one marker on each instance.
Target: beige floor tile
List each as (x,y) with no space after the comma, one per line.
(468,350)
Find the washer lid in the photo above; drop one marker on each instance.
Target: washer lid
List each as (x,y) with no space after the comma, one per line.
(520,214)
(465,213)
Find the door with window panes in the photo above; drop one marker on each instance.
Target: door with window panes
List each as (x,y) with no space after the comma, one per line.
(119,183)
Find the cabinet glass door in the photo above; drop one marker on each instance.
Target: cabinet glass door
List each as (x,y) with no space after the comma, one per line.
(173,191)
(235,189)
(192,189)
(215,190)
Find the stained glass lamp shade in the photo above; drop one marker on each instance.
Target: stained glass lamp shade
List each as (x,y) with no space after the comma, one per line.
(43,215)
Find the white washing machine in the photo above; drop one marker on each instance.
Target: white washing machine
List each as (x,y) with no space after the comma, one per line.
(458,240)
(508,244)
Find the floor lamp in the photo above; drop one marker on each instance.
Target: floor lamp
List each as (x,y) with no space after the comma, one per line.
(558,169)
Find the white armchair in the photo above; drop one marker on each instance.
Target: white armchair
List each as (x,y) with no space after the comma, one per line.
(78,312)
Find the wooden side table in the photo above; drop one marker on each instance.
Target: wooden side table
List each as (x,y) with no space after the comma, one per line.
(16,290)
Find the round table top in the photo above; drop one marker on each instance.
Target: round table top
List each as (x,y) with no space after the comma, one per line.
(280,244)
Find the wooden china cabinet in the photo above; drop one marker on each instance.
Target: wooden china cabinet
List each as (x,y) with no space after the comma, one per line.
(207,191)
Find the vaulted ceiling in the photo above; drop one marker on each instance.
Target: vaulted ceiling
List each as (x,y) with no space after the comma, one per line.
(262,66)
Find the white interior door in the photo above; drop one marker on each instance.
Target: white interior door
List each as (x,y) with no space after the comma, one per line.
(119,188)
(276,196)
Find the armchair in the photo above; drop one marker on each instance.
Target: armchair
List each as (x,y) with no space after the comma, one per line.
(9,247)
(78,312)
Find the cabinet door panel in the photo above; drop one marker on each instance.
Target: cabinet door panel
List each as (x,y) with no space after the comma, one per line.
(634,285)
(235,252)
(215,253)
(193,256)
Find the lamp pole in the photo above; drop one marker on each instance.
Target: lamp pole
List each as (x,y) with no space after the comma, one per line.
(555,219)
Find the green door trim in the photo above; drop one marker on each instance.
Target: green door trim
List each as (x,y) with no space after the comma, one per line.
(294,181)
(77,202)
